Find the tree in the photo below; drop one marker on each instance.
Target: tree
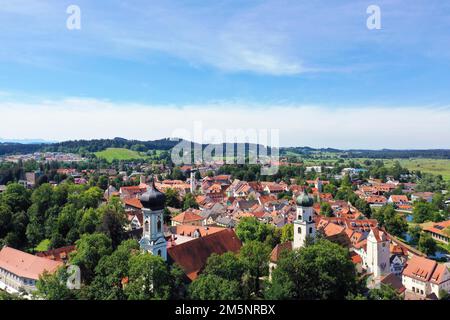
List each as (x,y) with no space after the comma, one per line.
(172,198)
(227,266)
(414,232)
(110,270)
(385,292)
(422,211)
(54,286)
(90,248)
(189,202)
(319,271)
(112,222)
(212,287)
(427,244)
(17,197)
(387,217)
(325,209)
(255,257)
(287,233)
(250,229)
(149,278)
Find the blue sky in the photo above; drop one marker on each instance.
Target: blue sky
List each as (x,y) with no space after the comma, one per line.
(313,59)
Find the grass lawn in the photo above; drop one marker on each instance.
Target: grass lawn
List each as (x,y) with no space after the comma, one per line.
(43,245)
(111,154)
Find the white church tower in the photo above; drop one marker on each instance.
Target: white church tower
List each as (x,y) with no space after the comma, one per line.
(304,225)
(378,253)
(153,240)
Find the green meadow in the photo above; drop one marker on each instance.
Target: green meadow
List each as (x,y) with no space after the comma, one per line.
(111,154)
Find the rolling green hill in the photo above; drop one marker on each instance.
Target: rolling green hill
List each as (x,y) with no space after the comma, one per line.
(111,154)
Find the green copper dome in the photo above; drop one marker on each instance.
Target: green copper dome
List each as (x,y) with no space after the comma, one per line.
(304,200)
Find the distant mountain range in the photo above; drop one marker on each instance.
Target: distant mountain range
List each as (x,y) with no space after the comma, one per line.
(10,146)
(27,141)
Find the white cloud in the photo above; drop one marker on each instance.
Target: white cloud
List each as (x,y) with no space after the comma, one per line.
(316,126)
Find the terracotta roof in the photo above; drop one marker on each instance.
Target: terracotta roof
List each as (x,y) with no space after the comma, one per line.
(276,252)
(26,265)
(356,258)
(399,198)
(187,216)
(394,281)
(424,269)
(191,256)
(59,254)
(186,230)
(439,228)
(133,202)
(332,229)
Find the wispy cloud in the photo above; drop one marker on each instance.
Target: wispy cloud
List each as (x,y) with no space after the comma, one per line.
(274,37)
(364,127)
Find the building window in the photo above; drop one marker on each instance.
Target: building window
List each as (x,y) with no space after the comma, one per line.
(159,253)
(158,225)
(310,230)
(299,230)
(310,218)
(146,226)
(299,217)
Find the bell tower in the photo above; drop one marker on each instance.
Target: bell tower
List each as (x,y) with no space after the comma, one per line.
(304,225)
(153,240)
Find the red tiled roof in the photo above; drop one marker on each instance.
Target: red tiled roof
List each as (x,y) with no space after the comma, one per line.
(26,265)
(186,230)
(186,217)
(59,254)
(356,258)
(191,256)
(439,228)
(276,252)
(424,269)
(133,202)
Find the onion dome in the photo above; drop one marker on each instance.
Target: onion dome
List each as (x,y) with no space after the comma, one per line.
(304,200)
(153,199)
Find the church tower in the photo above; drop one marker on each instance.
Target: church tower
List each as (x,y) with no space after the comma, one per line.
(304,225)
(378,253)
(153,240)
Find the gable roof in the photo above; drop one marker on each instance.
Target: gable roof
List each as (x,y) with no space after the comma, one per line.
(191,256)
(187,216)
(424,269)
(133,202)
(26,265)
(276,252)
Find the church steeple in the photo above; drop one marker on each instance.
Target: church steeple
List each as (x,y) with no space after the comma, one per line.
(304,225)
(153,240)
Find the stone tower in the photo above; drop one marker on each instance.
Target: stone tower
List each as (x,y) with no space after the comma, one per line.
(378,253)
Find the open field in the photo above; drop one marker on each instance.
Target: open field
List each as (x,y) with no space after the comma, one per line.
(111,154)
(434,166)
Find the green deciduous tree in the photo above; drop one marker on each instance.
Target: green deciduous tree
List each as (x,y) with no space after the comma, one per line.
(149,278)
(319,271)
(212,287)
(255,257)
(427,244)
(385,292)
(90,248)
